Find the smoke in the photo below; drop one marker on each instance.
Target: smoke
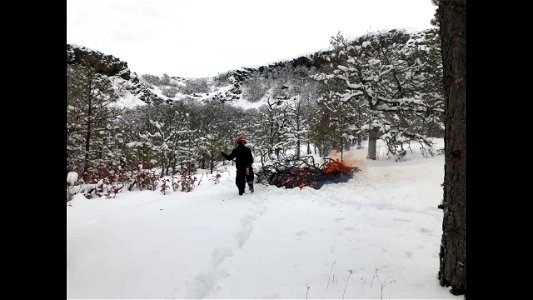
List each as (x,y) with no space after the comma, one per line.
(349,159)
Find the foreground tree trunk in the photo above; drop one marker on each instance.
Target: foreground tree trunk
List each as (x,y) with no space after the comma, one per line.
(452,255)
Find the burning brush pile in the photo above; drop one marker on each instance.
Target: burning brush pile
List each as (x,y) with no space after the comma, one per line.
(292,172)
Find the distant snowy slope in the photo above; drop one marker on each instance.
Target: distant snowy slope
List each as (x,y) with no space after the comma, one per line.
(130,90)
(247,88)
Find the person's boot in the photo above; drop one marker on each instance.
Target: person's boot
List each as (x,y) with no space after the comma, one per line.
(251,187)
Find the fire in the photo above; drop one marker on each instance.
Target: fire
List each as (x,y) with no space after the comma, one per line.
(305,172)
(337,168)
(348,158)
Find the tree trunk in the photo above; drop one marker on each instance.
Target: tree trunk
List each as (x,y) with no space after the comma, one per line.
(189,153)
(308,148)
(164,166)
(298,139)
(298,147)
(173,164)
(359,141)
(87,137)
(452,255)
(372,139)
(342,148)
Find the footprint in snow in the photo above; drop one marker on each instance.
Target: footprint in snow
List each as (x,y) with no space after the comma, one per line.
(219,255)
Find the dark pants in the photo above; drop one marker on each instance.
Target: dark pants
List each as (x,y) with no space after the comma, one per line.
(241,179)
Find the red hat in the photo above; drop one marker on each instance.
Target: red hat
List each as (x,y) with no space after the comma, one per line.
(240,139)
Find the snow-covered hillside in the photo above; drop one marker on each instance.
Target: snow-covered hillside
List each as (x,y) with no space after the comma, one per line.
(133,90)
(375,236)
(247,88)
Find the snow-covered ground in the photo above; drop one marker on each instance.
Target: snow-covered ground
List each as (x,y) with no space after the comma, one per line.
(375,236)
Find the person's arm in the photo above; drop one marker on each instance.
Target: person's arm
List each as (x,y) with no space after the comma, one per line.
(231,156)
(250,158)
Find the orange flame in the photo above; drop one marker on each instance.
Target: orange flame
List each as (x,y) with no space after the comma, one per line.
(337,168)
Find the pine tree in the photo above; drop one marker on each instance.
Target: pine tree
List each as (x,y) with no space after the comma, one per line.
(91,125)
(337,115)
(452,271)
(381,76)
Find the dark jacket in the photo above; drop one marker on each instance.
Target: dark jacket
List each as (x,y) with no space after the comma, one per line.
(243,156)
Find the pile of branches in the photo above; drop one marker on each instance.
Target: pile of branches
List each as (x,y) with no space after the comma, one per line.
(293,172)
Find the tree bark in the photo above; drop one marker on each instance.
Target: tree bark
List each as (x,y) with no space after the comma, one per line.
(88,134)
(372,139)
(452,255)
(347,144)
(173,164)
(298,147)
(298,139)
(342,148)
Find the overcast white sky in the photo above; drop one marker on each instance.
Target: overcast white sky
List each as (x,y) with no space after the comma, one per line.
(201,38)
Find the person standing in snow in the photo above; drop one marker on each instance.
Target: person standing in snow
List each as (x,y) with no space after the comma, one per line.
(243,160)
